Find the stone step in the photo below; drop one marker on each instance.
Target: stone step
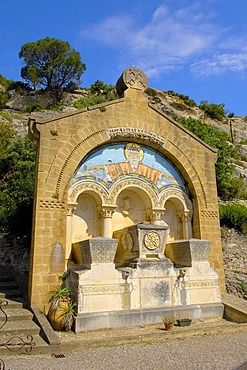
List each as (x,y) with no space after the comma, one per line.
(8,285)
(16,303)
(16,314)
(23,345)
(10,293)
(20,328)
(5,278)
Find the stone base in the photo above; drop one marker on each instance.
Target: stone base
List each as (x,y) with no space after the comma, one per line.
(130,318)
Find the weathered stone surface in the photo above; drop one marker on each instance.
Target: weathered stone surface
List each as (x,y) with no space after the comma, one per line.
(234,245)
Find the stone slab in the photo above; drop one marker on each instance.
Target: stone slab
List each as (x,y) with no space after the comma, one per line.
(131,318)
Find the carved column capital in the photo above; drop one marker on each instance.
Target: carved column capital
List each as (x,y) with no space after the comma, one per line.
(184,215)
(106,211)
(71,208)
(155,214)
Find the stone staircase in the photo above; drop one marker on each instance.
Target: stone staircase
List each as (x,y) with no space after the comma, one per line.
(18,332)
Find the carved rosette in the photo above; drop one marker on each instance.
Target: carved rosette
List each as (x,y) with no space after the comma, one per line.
(152,240)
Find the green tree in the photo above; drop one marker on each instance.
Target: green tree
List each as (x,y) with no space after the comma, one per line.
(17,162)
(100,88)
(51,64)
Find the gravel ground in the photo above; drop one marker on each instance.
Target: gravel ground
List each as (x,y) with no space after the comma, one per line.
(214,351)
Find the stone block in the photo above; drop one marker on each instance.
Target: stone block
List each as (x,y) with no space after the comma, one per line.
(184,252)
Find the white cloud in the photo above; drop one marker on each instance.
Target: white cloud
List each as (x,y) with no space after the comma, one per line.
(109,32)
(219,64)
(170,41)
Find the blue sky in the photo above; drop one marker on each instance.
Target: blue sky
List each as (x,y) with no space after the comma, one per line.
(197,48)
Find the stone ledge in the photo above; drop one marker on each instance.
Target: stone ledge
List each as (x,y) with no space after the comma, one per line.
(235,309)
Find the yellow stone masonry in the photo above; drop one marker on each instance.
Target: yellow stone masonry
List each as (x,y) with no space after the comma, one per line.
(79,133)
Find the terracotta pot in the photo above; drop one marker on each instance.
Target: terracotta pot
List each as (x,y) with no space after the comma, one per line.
(56,317)
(168,325)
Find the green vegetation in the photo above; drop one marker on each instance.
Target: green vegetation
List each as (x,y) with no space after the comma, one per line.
(17,162)
(89,100)
(99,88)
(228,186)
(4,96)
(150,92)
(35,107)
(186,99)
(51,64)
(19,86)
(4,82)
(234,215)
(214,111)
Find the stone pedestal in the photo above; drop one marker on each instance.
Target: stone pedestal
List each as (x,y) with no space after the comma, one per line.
(197,282)
(141,242)
(97,285)
(141,247)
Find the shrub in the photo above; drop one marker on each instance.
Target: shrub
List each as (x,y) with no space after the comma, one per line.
(4,82)
(179,106)
(4,96)
(214,111)
(89,101)
(19,86)
(185,98)
(35,107)
(234,215)
(150,92)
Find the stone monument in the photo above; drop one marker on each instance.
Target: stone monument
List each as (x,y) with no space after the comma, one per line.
(126,203)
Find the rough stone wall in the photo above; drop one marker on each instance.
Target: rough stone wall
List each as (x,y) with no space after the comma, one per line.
(63,142)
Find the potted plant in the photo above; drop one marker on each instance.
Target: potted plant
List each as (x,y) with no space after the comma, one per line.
(184,319)
(69,313)
(169,321)
(62,310)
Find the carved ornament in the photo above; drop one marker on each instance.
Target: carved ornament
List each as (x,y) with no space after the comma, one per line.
(135,133)
(83,186)
(128,182)
(152,240)
(175,193)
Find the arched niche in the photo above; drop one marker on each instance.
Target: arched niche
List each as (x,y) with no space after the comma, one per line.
(178,216)
(83,220)
(131,206)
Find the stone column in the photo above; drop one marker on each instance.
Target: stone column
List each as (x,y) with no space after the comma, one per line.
(70,213)
(155,215)
(106,213)
(185,217)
